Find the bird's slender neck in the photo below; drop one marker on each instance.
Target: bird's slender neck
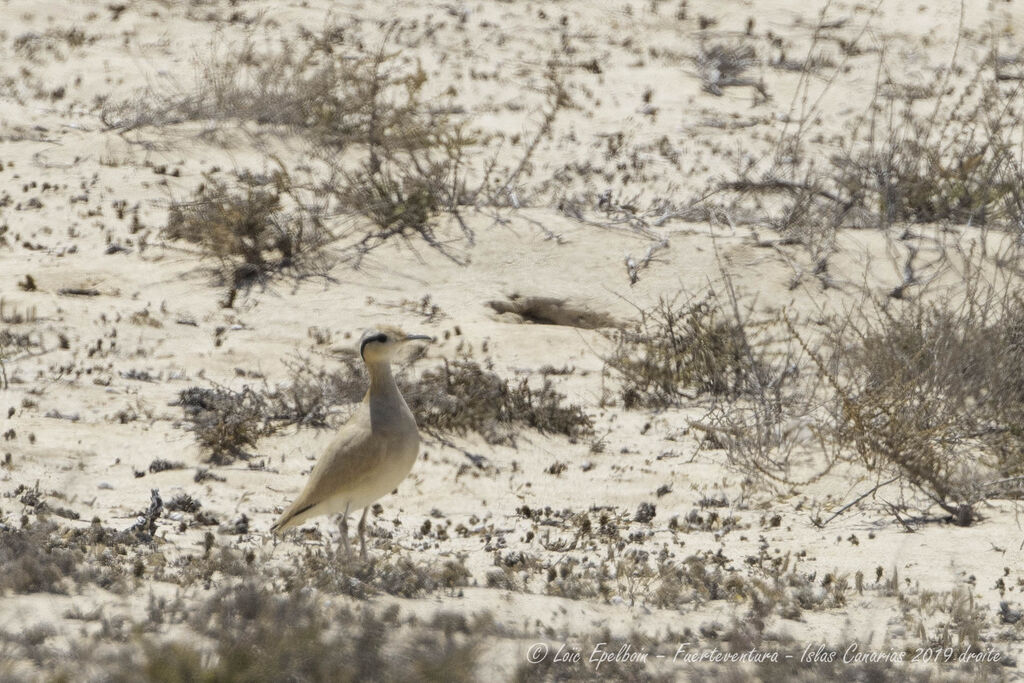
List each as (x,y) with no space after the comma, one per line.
(385,401)
(382,382)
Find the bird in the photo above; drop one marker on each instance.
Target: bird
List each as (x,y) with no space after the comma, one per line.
(372,452)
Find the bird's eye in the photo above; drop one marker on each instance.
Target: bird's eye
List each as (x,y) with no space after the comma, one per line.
(384,338)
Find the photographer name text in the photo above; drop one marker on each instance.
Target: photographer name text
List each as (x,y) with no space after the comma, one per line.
(604,654)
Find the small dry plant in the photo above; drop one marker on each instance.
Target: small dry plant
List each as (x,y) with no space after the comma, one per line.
(251,228)
(681,348)
(225,422)
(462,396)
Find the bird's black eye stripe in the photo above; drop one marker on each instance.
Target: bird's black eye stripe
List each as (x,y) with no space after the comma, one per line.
(382,338)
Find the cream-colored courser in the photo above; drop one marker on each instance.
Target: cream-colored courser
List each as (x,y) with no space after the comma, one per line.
(372,453)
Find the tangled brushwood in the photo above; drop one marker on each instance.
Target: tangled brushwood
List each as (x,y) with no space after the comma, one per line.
(680,349)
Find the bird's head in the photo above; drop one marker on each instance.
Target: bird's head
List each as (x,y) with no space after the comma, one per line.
(381,344)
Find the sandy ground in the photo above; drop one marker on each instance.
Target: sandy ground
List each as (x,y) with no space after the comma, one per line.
(155,324)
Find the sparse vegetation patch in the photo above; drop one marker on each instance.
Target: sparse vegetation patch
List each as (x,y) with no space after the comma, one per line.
(225,422)
(43,557)
(247,228)
(681,349)
(457,397)
(932,393)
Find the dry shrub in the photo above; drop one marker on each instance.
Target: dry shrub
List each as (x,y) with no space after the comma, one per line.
(947,151)
(932,392)
(44,557)
(457,397)
(957,161)
(410,152)
(248,227)
(32,564)
(412,168)
(311,394)
(306,85)
(682,345)
(802,211)
(401,198)
(462,396)
(225,422)
(772,431)
(395,203)
(753,373)
(954,159)
(927,394)
(391,155)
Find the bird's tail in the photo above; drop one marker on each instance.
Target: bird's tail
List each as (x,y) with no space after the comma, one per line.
(291,517)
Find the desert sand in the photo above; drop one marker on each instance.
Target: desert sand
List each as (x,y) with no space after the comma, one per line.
(116,319)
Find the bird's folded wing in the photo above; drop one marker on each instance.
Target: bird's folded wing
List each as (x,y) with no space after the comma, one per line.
(351,457)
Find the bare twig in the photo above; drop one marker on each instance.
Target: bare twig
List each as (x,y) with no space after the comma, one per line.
(858,499)
(633,267)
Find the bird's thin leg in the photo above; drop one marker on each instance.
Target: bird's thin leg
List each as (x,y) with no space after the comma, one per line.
(343,526)
(362,534)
